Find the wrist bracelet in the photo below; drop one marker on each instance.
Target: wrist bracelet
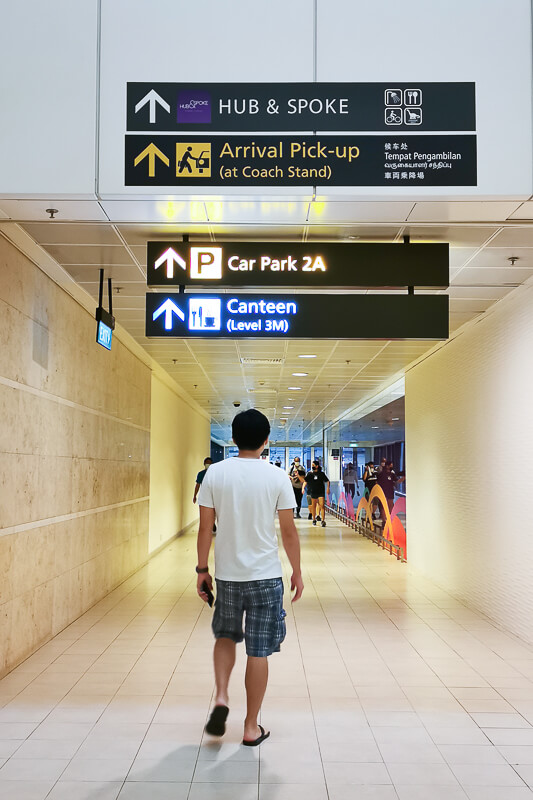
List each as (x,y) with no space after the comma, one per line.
(201,570)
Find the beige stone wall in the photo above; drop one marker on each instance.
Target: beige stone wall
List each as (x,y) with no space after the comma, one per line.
(74,450)
(469,436)
(180,440)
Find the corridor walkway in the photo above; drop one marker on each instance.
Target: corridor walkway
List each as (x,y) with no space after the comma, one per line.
(386,688)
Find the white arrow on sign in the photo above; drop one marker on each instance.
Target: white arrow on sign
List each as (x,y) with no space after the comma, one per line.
(168,308)
(152,98)
(169,257)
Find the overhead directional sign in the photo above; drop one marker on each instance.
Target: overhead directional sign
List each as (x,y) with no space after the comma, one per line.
(333,160)
(294,264)
(170,257)
(152,99)
(168,308)
(300,316)
(301,106)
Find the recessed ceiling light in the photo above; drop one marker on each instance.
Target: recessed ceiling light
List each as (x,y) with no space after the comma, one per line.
(300,374)
(286,408)
(307,356)
(294,388)
(375,427)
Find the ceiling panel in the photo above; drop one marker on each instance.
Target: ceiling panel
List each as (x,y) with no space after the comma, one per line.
(350,212)
(257,211)
(352,231)
(90,273)
(492,276)
(525,211)
(462,211)
(500,257)
(54,232)
(456,235)
(67,210)
(514,236)
(252,232)
(157,211)
(101,255)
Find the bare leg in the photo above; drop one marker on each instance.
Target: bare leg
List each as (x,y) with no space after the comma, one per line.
(224,658)
(321,508)
(313,507)
(256,682)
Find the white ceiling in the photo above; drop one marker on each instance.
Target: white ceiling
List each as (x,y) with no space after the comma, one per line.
(87,235)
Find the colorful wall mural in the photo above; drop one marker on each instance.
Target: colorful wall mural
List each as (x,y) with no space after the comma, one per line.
(393,528)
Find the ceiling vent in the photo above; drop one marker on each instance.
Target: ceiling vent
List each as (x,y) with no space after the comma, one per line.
(265,362)
(262,390)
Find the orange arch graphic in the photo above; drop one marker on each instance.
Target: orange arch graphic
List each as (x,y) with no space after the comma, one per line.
(393,528)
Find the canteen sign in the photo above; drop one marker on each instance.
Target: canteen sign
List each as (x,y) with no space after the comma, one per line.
(338,160)
(300,106)
(295,264)
(301,316)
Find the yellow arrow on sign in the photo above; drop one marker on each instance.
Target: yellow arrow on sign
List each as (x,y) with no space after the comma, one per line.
(151,151)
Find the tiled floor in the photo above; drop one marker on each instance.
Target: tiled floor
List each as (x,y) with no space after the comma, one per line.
(386,688)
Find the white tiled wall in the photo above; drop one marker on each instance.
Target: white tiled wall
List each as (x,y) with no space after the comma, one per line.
(469,445)
(74,460)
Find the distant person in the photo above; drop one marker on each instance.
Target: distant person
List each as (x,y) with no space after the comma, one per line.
(317,484)
(387,481)
(297,476)
(201,475)
(381,466)
(278,464)
(370,478)
(350,481)
(244,493)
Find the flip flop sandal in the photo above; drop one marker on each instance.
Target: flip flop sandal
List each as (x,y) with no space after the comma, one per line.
(216,725)
(259,739)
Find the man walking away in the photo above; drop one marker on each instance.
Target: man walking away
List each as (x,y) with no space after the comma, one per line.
(350,480)
(317,483)
(297,476)
(244,493)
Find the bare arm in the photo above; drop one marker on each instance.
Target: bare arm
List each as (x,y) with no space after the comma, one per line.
(291,545)
(196,490)
(205,538)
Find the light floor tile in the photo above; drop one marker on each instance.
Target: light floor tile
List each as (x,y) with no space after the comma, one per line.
(97,770)
(498,793)
(487,774)
(77,790)
(25,790)
(376,792)
(223,791)
(422,775)
(166,770)
(354,774)
(471,754)
(293,791)
(226,772)
(154,791)
(37,769)
(434,793)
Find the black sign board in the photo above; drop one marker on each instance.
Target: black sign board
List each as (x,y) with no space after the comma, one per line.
(297,316)
(296,264)
(301,106)
(355,160)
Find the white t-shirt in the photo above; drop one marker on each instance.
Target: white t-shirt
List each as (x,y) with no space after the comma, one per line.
(246,493)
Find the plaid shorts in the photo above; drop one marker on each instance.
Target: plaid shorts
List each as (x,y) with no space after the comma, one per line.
(264,628)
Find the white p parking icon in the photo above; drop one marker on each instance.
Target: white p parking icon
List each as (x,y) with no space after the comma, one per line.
(206,263)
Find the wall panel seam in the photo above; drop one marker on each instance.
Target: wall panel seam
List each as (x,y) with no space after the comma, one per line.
(69,403)
(41,523)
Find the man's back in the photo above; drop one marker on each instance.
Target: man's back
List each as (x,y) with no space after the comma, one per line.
(246,492)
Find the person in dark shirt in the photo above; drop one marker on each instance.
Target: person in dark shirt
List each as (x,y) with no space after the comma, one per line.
(317,483)
(297,476)
(387,481)
(201,475)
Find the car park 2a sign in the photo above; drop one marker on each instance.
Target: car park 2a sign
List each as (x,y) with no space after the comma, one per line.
(297,264)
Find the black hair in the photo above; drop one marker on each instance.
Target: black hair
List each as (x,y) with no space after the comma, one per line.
(208,459)
(250,429)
